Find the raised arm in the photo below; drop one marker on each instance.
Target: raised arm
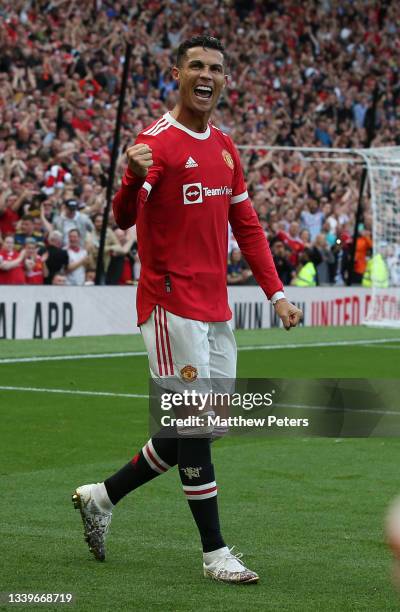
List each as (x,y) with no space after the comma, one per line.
(125,202)
(143,171)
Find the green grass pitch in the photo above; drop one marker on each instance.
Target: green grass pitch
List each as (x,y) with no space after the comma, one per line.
(306,512)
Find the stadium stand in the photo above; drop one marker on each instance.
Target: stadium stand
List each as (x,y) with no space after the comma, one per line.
(301,75)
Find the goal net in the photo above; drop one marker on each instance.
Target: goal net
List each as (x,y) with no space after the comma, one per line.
(281,178)
(383,268)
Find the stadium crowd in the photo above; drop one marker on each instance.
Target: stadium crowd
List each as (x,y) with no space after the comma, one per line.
(300,75)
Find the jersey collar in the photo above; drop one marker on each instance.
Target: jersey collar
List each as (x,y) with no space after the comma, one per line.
(198,135)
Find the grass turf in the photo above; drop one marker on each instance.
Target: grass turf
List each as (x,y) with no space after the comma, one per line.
(307,512)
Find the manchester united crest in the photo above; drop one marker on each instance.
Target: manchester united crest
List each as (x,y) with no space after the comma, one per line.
(189,373)
(227,157)
(191,472)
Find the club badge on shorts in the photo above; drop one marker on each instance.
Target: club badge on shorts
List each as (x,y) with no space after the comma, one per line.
(227,157)
(189,373)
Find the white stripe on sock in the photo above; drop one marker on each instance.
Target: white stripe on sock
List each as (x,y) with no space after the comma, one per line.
(202,487)
(202,496)
(150,461)
(157,456)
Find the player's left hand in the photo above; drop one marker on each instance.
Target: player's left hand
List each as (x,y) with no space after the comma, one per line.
(289,314)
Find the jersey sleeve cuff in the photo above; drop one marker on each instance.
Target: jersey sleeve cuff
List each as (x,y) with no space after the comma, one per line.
(278,295)
(130,179)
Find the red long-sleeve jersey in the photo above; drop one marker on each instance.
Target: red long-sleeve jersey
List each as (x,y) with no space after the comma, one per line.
(181,210)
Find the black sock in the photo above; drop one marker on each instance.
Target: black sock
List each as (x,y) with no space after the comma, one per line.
(155,458)
(197,475)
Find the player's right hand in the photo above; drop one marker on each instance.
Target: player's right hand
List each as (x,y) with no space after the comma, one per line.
(140,159)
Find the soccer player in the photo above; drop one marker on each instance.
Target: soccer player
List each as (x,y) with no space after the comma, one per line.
(183,184)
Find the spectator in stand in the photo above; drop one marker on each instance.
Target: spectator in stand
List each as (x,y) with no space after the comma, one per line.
(305,238)
(70,218)
(81,120)
(393,262)
(345,236)
(90,277)
(239,272)
(322,258)
(8,216)
(322,133)
(293,241)
(33,263)
(281,255)
(111,244)
(48,209)
(26,230)
(11,263)
(78,259)
(121,268)
(360,107)
(363,247)
(59,279)
(329,234)
(60,70)
(339,268)
(376,272)
(312,219)
(55,257)
(306,273)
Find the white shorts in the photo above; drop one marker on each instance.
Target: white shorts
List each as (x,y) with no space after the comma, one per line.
(187,352)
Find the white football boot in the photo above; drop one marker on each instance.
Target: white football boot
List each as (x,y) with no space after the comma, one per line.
(96,512)
(224,566)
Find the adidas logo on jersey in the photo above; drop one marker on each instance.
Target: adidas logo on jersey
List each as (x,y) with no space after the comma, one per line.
(191,163)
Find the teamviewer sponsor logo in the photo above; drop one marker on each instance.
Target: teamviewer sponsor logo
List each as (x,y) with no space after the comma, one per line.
(217,191)
(192,193)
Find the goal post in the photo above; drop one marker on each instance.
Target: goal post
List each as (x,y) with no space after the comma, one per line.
(381,201)
(383,269)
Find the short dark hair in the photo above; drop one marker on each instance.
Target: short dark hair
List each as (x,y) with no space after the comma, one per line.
(207,42)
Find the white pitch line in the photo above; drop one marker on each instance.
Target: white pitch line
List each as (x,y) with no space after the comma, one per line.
(71,357)
(339,409)
(74,392)
(138,396)
(254,347)
(392,348)
(266,347)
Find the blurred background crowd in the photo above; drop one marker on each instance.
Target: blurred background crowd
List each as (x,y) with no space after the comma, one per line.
(301,74)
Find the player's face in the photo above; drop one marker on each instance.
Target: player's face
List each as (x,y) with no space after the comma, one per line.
(201,79)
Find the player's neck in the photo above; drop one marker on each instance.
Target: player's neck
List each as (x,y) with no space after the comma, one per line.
(197,122)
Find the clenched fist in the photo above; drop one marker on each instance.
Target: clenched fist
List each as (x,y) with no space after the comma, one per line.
(139,159)
(289,314)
